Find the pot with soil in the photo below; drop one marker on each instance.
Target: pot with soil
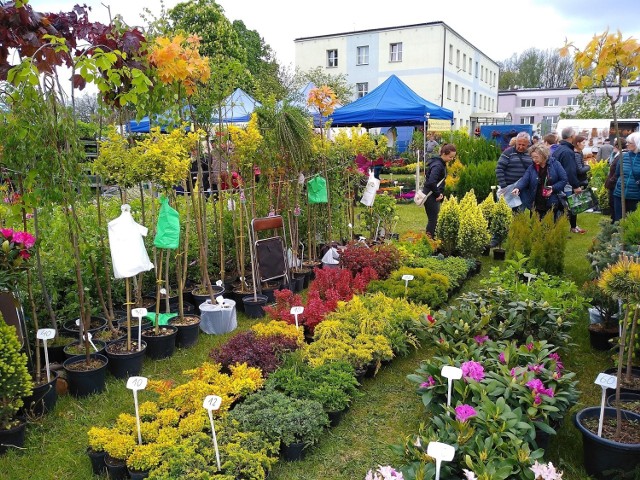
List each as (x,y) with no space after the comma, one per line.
(77,348)
(627,385)
(600,335)
(201,294)
(85,378)
(72,329)
(628,401)
(606,454)
(109,335)
(123,362)
(188,330)
(253,305)
(55,348)
(499,254)
(312,265)
(302,273)
(161,344)
(44,396)
(268,288)
(239,293)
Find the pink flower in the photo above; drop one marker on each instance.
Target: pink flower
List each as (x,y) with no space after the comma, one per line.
(429,383)
(24,255)
(501,358)
(430,319)
(535,368)
(538,388)
(536,384)
(464,412)
(480,339)
(537,399)
(513,372)
(529,346)
(472,370)
(25,238)
(6,233)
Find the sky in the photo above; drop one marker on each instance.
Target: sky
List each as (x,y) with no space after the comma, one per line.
(499,28)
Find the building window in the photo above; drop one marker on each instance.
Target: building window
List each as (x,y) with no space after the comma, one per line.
(624,98)
(475,99)
(551,102)
(332,58)
(470,63)
(482,73)
(462,95)
(527,120)
(363,55)
(457,58)
(464,62)
(395,52)
(456,96)
(362,88)
(449,90)
(451,54)
(476,69)
(573,101)
(468,97)
(528,102)
(550,119)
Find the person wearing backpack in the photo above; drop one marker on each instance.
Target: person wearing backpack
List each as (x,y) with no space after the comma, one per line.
(435,176)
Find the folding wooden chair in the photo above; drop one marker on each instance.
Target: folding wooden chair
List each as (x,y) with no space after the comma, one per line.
(270,253)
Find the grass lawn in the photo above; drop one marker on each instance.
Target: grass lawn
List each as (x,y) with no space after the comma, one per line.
(388,410)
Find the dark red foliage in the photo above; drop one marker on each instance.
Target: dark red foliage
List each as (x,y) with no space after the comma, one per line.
(264,352)
(285,299)
(382,258)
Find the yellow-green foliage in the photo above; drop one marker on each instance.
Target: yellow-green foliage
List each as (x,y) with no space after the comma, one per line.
(126,423)
(359,351)
(448,225)
(193,423)
(146,456)
(246,141)
(487,206)
(15,381)
(348,145)
(426,288)
(117,163)
(453,175)
(473,233)
(98,438)
(120,445)
(278,328)
(501,219)
(519,238)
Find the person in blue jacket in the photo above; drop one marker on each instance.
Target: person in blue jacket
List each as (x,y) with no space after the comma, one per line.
(542,183)
(631,169)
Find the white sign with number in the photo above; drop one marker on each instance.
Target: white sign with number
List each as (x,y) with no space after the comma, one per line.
(442,452)
(211,403)
(139,313)
(295,311)
(45,334)
(605,381)
(450,373)
(135,384)
(406,278)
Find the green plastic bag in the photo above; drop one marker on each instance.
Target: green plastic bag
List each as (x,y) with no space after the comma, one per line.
(317,190)
(168,229)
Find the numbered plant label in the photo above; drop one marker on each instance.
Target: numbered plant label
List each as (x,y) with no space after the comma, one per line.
(606,381)
(441,451)
(220,299)
(46,333)
(137,383)
(139,312)
(406,278)
(451,372)
(212,402)
(219,283)
(297,310)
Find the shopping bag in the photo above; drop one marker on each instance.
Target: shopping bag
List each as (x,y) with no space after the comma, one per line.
(580,202)
(369,195)
(317,190)
(420,197)
(168,227)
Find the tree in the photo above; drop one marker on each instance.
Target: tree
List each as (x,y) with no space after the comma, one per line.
(535,68)
(342,90)
(592,105)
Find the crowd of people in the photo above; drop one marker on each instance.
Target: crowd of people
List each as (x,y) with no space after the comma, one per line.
(541,175)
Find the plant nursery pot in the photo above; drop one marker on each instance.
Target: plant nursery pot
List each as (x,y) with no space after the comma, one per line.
(188,308)
(370,372)
(602,455)
(69,349)
(635,372)
(98,466)
(268,289)
(599,338)
(116,469)
(122,363)
(188,330)
(12,438)
(499,253)
(83,382)
(55,352)
(335,417)
(163,345)
(486,251)
(253,306)
(293,452)
(594,316)
(625,400)
(199,298)
(137,474)
(95,324)
(146,323)
(44,397)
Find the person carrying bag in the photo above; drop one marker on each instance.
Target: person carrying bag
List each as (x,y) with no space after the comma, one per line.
(433,187)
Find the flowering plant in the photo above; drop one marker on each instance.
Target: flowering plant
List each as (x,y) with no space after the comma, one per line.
(15,250)
(384,473)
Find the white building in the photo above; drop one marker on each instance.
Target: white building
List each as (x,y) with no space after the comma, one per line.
(542,107)
(431,58)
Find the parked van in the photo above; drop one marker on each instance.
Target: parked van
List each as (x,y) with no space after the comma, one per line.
(597,129)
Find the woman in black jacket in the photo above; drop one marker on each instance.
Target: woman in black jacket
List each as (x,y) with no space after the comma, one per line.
(435,175)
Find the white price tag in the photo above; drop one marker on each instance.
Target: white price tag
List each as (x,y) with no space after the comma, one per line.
(297,310)
(220,299)
(212,402)
(46,333)
(77,322)
(219,283)
(137,383)
(453,373)
(406,278)
(441,451)
(606,381)
(163,291)
(139,312)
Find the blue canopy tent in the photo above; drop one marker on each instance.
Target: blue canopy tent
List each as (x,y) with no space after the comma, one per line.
(162,121)
(238,107)
(392,103)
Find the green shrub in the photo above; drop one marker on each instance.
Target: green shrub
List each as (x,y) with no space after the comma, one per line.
(448,224)
(427,287)
(519,238)
(501,220)
(478,177)
(455,269)
(472,150)
(631,230)
(473,234)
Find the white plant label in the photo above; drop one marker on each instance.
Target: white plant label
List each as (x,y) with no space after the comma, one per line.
(89,337)
(135,384)
(295,311)
(406,278)
(441,452)
(139,312)
(163,291)
(220,299)
(219,283)
(450,373)
(211,403)
(77,322)
(605,381)
(45,334)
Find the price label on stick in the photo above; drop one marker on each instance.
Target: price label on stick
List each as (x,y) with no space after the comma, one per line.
(295,311)
(453,373)
(139,312)
(212,402)
(46,334)
(137,383)
(606,381)
(406,278)
(442,453)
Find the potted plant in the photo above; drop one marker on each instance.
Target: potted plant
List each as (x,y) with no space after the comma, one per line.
(499,226)
(603,316)
(15,383)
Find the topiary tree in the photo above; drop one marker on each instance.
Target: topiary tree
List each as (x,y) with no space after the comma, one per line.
(473,232)
(448,224)
(501,220)
(15,381)
(487,206)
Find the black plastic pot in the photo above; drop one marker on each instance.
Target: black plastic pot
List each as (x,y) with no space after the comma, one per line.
(55,352)
(97,461)
(160,346)
(602,455)
(134,327)
(599,339)
(98,343)
(116,469)
(499,254)
(335,417)
(125,365)
(201,298)
(187,335)
(624,397)
(138,475)
(635,371)
(70,328)
(12,438)
(44,397)
(83,383)
(293,452)
(253,305)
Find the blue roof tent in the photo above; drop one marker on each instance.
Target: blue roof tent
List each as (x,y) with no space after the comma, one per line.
(238,107)
(162,121)
(392,103)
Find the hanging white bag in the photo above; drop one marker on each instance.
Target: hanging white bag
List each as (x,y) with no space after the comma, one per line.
(128,252)
(369,196)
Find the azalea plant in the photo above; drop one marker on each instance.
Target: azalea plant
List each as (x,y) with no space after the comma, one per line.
(384,473)
(16,248)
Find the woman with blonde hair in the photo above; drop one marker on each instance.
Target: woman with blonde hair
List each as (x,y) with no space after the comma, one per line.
(631,169)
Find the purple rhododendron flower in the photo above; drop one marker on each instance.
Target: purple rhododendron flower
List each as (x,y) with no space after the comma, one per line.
(537,388)
(535,368)
(529,346)
(473,370)
(480,339)
(501,358)
(537,400)
(24,238)
(6,232)
(535,384)
(429,383)
(464,412)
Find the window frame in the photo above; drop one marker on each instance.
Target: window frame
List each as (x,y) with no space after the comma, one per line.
(528,117)
(361,93)
(397,53)
(551,101)
(527,102)
(360,58)
(332,61)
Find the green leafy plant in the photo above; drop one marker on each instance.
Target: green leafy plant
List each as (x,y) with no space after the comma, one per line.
(448,225)
(473,232)
(478,177)
(15,381)
(630,226)
(381,214)
(500,220)
(427,287)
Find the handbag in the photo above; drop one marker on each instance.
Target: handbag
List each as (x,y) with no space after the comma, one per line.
(580,202)
(420,197)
